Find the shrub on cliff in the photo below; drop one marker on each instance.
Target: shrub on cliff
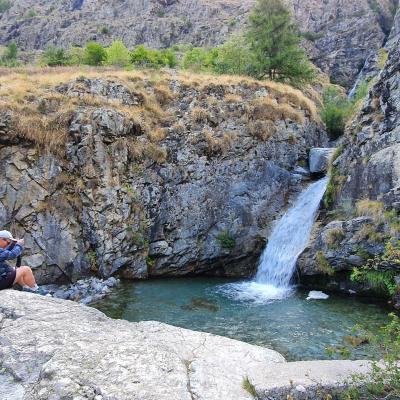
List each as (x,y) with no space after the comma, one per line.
(275,42)
(95,54)
(335,112)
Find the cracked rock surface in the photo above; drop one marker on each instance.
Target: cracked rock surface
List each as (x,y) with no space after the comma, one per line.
(56,349)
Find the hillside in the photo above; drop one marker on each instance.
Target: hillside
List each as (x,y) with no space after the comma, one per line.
(341,35)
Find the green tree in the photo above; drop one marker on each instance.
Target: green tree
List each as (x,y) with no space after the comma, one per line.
(9,57)
(55,56)
(118,54)
(95,54)
(199,59)
(11,52)
(234,57)
(76,56)
(275,41)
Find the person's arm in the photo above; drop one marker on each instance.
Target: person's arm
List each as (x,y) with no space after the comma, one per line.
(10,254)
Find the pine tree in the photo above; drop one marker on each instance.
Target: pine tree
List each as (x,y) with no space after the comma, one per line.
(275,41)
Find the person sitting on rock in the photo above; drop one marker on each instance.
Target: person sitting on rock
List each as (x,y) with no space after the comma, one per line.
(10,249)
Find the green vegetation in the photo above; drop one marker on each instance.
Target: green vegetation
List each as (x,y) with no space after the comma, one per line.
(118,54)
(334,237)
(269,49)
(55,56)
(249,387)
(143,57)
(95,54)
(323,264)
(275,42)
(10,55)
(336,111)
(31,13)
(199,59)
(335,181)
(5,5)
(226,240)
(375,271)
(383,382)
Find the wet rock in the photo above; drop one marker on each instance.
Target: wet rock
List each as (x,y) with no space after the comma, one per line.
(84,291)
(319,159)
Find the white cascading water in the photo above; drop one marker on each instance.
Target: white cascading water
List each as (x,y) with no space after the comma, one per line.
(287,241)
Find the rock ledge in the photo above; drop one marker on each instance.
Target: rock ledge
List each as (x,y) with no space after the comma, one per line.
(57,349)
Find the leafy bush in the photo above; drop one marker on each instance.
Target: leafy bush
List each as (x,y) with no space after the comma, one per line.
(118,54)
(5,5)
(76,56)
(383,382)
(55,56)
(144,57)
(199,59)
(226,240)
(95,54)
(9,57)
(234,57)
(374,273)
(335,112)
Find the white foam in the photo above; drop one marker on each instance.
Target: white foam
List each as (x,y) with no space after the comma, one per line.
(254,292)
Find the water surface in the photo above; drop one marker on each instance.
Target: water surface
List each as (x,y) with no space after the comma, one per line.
(297,328)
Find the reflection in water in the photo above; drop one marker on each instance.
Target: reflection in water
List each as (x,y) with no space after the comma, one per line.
(299,329)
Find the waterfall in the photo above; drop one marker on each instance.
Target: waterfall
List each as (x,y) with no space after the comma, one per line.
(287,241)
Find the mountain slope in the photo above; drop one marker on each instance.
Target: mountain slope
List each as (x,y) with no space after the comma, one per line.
(342,34)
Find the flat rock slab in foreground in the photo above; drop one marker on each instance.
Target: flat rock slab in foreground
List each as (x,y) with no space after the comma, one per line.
(58,349)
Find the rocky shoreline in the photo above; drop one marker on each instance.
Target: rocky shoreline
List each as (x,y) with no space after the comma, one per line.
(57,349)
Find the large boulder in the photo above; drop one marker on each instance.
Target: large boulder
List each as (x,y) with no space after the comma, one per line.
(319,159)
(57,349)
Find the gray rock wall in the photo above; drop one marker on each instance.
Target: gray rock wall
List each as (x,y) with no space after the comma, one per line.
(206,208)
(368,168)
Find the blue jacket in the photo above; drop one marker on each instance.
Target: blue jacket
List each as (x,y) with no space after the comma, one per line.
(8,254)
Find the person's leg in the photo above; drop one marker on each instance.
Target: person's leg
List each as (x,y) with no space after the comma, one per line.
(24,277)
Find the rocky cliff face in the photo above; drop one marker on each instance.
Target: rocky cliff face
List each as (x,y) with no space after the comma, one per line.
(150,175)
(341,35)
(367,168)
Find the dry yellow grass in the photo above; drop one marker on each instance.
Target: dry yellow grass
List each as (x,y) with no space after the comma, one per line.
(233,98)
(268,109)
(261,130)
(42,115)
(199,115)
(370,208)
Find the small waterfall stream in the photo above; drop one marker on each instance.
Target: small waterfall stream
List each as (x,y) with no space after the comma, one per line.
(288,239)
